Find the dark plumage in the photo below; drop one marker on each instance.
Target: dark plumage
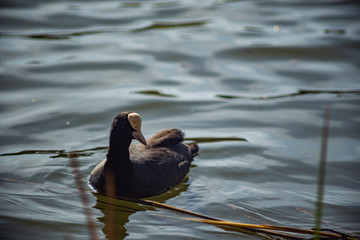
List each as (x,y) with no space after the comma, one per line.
(141,170)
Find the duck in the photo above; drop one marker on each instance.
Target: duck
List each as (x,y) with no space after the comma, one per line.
(142,169)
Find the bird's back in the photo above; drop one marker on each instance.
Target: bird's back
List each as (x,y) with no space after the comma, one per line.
(163,163)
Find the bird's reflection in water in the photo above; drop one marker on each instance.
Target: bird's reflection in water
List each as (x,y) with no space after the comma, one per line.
(117,212)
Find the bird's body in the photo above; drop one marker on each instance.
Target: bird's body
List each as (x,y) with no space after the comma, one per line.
(140,170)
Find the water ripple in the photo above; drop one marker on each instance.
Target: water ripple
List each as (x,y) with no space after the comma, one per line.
(85,66)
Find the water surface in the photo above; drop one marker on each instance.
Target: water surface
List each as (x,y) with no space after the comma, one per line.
(222,71)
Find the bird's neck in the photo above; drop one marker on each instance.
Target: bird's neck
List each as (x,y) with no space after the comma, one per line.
(118,153)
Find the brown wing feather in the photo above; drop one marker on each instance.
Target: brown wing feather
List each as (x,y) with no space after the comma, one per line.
(166,138)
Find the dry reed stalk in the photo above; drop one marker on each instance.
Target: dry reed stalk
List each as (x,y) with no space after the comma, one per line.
(322,171)
(83,197)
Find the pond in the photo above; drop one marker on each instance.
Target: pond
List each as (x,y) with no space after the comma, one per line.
(248,80)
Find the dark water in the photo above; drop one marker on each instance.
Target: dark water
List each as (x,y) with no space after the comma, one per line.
(259,70)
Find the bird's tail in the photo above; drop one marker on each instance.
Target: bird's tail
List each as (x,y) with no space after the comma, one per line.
(194,149)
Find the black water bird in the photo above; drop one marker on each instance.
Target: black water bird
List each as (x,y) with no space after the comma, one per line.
(141,170)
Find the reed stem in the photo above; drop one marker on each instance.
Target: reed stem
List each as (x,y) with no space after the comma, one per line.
(322,171)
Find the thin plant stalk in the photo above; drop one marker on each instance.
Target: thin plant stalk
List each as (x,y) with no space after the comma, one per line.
(82,193)
(322,171)
(271,227)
